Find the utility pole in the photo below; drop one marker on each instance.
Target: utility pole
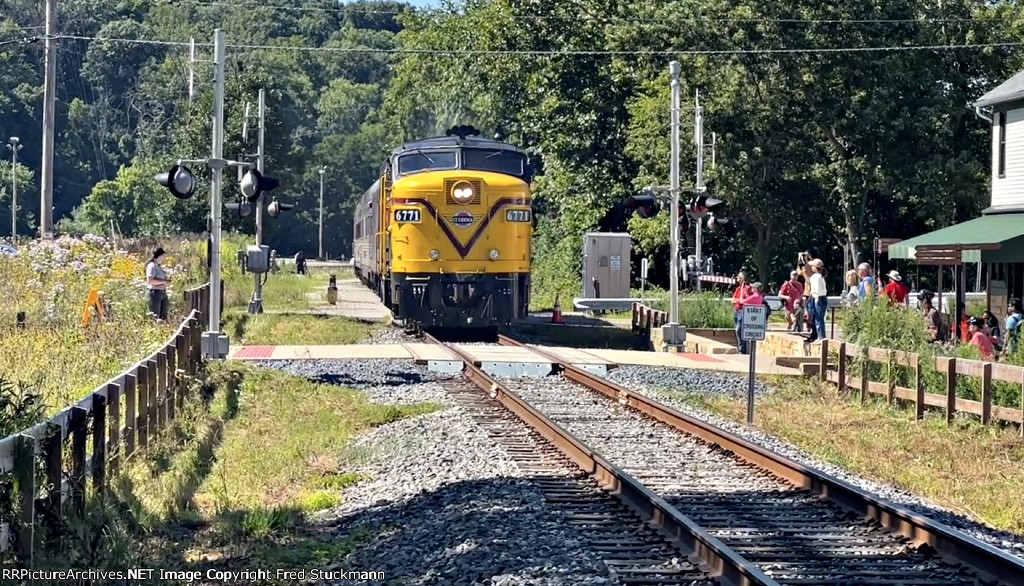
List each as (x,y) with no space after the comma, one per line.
(321,248)
(217,163)
(14,146)
(698,129)
(256,305)
(49,101)
(672,330)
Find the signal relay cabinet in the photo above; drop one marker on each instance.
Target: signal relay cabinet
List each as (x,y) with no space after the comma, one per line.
(257,259)
(606,265)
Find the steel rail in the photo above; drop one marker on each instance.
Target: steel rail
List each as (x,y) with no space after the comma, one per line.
(709,553)
(955,545)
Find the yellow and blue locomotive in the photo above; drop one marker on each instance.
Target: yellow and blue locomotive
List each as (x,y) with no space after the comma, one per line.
(444,235)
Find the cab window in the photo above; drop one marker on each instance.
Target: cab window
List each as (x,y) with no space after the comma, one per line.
(497,161)
(425,161)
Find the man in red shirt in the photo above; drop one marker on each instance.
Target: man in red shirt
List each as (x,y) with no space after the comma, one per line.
(896,291)
(742,292)
(791,291)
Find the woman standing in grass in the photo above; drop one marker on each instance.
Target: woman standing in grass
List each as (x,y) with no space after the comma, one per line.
(157,280)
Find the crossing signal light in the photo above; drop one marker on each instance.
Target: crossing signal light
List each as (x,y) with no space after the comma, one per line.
(702,205)
(242,207)
(179,181)
(275,208)
(645,204)
(254,183)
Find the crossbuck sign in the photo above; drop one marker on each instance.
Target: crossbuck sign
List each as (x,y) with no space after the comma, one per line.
(754,322)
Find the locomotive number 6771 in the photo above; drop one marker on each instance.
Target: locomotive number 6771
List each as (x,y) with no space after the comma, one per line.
(444,235)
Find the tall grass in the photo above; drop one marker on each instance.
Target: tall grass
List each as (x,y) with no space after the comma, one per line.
(873,323)
(50,281)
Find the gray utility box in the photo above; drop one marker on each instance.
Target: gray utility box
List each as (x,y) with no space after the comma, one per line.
(606,265)
(257,259)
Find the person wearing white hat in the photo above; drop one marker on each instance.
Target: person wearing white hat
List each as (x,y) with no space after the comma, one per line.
(896,291)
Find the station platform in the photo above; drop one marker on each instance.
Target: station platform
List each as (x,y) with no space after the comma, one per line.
(354,301)
(511,360)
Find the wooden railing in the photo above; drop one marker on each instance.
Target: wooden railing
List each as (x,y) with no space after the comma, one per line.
(838,372)
(644,319)
(118,419)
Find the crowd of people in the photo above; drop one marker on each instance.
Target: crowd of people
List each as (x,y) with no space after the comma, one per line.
(805,300)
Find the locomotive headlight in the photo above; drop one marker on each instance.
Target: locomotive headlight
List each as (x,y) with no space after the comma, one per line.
(494,254)
(434,254)
(462,192)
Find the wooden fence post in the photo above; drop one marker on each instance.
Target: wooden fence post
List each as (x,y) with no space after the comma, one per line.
(53,453)
(161,390)
(114,427)
(823,374)
(865,367)
(950,389)
(890,374)
(919,387)
(142,404)
(78,427)
(172,381)
(25,488)
(841,367)
(986,393)
(99,444)
(154,422)
(131,421)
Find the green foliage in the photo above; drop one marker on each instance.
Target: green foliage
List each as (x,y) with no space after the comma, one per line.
(705,310)
(20,407)
(875,323)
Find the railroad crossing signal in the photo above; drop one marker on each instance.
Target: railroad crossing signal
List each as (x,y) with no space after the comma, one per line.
(254,183)
(179,181)
(241,206)
(645,204)
(275,208)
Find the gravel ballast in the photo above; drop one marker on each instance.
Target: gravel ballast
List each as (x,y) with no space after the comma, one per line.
(653,381)
(440,503)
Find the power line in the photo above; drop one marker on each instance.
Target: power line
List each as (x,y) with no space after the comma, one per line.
(671,52)
(607,19)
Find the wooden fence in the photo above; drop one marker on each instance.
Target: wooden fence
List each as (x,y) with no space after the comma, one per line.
(644,319)
(118,419)
(838,372)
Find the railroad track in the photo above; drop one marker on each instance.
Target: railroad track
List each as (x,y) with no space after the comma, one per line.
(751,516)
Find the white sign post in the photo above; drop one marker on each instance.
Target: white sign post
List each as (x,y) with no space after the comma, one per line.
(753,326)
(643,277)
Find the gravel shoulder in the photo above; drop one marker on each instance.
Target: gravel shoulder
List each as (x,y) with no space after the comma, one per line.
(440,502)
(653,382)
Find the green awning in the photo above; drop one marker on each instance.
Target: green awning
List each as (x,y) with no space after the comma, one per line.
(986,230)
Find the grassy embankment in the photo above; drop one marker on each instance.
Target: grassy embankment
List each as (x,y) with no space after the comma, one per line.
(230,485)
(970,468)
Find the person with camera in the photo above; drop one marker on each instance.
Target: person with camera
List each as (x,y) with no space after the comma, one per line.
(819,300)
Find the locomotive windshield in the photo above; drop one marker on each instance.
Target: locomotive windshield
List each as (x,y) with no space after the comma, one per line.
(420,161)
(497,161)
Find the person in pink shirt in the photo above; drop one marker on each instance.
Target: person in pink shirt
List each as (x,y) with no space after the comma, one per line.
(980,339)
(756,296)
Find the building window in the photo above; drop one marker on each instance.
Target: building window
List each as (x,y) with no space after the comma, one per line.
(1002,144)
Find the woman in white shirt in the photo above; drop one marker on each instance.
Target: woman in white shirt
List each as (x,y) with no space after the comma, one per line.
(819,297)
(157,280)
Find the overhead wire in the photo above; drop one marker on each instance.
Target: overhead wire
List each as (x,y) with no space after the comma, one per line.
(505,52)
(609,19)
